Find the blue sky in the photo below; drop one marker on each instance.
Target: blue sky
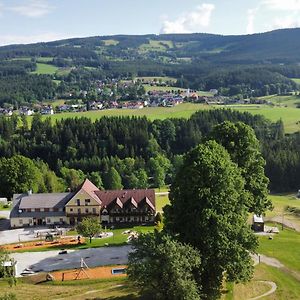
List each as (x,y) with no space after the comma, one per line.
(24,21)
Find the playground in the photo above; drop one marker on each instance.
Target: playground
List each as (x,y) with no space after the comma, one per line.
(84,272)
(41,244)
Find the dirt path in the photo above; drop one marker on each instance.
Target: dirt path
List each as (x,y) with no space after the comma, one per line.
(271,291)
(287,223)
(91,292)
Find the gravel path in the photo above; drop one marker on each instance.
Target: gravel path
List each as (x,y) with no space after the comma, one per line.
(287,223)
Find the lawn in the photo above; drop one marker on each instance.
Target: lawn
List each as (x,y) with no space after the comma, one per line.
(118,288)
(118,239)
(161,201)
(4,207)
(288,288)
(284,246)
(280,202)
(45,69)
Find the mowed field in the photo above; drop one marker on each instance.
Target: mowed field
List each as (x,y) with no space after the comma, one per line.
(289,115)
(45,69)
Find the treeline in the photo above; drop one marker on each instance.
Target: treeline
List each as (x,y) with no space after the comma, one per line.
(141,153)
(16,89)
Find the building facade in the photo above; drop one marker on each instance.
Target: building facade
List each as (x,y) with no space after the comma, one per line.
(109,207)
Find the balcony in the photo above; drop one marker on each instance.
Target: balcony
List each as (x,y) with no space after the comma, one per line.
(82,214)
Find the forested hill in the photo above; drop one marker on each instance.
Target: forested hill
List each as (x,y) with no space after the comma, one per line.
(279,46)
(244,66)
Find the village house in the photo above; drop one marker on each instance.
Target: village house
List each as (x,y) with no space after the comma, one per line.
(110,207)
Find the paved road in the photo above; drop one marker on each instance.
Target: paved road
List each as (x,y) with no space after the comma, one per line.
(51,261)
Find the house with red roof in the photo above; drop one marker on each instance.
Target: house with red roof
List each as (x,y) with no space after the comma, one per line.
(110,207)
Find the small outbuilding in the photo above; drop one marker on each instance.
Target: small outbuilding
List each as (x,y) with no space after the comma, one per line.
(3,201)
(258,223)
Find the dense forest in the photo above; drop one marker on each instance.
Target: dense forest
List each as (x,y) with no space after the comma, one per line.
(248,66)
(138,152)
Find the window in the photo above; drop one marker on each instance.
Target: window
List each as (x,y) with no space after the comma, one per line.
(55,209)
(71,209)
(46,209)
(78,202)
(21,221)
(48,220)
(87,201)
(87,210)
(94,210)
(61,220)
(79,210)
(30,221)
(37,210)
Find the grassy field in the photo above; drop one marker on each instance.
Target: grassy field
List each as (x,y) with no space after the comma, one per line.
(45,69)
(297,80)
(161,201)
(4,207)
(110,42)
(284,246)
(156,46)
(289,115)
(289,101)
(118,288)
(117,239)
(288,288)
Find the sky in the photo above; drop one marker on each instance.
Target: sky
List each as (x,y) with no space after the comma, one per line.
(26,21)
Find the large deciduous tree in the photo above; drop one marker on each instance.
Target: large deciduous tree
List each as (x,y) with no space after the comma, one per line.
(18,174)
(208,210)
(89,227)
(164,268)
(240,141)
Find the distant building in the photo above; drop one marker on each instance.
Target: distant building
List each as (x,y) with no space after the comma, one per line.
(116,206)
(258,223)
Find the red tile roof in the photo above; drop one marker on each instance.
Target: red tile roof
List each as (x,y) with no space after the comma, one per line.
(88,187)
(123,197)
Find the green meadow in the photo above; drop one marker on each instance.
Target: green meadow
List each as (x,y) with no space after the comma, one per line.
(289,115)
(45,69)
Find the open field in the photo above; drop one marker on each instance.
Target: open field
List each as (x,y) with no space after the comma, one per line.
(297,80)
(156,46)
(284,247)
(149,87)
(289,115)
(110,42)
(121,289)
(151,78)
(45,69)
(288,101)
(288,288)
(118,288)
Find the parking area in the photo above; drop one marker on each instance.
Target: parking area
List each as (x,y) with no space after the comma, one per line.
(23,234)
(52,261)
